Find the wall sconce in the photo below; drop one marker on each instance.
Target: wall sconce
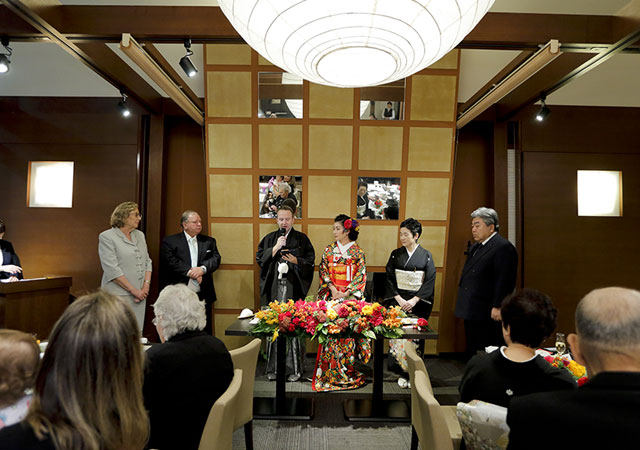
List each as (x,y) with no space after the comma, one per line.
(50,184)
(600,193)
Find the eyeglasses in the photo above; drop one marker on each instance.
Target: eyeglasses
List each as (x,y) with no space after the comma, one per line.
(155,321)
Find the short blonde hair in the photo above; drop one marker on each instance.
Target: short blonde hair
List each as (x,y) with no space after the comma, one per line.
(19,360)
(122,211)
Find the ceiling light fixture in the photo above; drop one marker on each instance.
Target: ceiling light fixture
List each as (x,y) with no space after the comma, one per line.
(544,111)
(185,62)
(142,59)
(5,59)
(124,110)
(353,43)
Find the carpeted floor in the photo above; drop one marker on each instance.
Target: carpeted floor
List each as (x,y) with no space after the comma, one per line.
(329,430)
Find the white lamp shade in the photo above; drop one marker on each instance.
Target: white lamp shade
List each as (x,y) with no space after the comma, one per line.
(353,43)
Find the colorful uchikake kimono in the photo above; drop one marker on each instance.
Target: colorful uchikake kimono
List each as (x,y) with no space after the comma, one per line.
(344,267)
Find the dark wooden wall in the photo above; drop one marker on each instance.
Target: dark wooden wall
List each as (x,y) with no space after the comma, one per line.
(104,147)
(561,254)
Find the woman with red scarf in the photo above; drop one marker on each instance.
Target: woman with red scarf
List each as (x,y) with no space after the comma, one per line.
(343,277)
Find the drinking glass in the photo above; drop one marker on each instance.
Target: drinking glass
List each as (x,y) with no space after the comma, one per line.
(561,344)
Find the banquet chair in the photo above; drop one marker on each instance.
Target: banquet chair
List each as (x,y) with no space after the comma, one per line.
(246,358)
(484,425)
(434,433)
(416,364)
(218,430)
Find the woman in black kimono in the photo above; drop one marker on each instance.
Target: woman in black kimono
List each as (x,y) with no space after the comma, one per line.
(411,276)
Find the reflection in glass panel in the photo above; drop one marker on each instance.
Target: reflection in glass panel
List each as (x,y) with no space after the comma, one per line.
(385,102)
(279,95)
(277,190)
(378,198)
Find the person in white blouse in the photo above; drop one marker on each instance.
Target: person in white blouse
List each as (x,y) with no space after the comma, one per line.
(125,259)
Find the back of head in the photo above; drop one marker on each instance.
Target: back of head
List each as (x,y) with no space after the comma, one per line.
(178,309)
(608,325)
(19,358)
(530,316)
(88,393)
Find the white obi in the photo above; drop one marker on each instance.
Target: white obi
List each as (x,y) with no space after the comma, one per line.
(409,280)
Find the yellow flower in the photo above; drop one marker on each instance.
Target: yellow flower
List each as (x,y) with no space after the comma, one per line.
(367,310)
(275,334)
(376,306)
(331,314)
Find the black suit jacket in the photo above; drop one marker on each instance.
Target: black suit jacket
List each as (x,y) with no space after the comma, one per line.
(487,278)
(8,256)
(601,414)
(175,262)
(184,378)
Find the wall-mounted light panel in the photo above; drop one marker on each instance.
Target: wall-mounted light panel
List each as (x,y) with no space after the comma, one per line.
(50,184)
(600,193)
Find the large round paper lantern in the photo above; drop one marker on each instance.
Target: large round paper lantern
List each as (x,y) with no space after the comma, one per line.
(353,43)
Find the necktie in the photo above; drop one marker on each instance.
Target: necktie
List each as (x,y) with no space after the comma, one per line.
(474,249)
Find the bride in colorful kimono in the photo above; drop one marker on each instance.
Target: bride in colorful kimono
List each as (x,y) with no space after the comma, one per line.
(343,277)
(411,276)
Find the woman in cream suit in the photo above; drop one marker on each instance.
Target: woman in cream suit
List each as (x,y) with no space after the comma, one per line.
(125,259)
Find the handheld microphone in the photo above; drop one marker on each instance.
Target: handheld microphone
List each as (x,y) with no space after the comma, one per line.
(282,232)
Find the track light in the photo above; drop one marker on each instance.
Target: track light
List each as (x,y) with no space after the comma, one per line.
(185,62)
(124,110)
(5,59)
(544,111)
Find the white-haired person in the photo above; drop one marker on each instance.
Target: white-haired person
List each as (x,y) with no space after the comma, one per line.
(185,374)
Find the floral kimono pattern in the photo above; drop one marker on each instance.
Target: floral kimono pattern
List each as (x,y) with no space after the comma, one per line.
(334,363)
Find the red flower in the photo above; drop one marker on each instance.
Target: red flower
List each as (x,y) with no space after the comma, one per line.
(582,381)
(322,317)
(347,224)
(422,322)
(343,311)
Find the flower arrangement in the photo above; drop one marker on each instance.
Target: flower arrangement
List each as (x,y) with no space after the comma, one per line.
(324,320)
(577,371)
(351,224)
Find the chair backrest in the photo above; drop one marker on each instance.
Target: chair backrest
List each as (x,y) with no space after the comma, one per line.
(246,358)
(484,425)
(416,363)
(218,431)
(434,433)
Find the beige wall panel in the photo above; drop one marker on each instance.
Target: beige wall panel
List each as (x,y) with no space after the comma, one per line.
(433,239)
(313,289)
(430,345)
(330,103)
(448,61)
(380,148)
(427,198)
(330,147)
(320,236)
(235,242)
(229,94)
(430,149)
(263,61)
(433,97)
(222,322)
(228,54)
(280,146)
(378,242)
(266,228)
(225,191)
(437,296)
(229,146)
(234,289)
(329,196)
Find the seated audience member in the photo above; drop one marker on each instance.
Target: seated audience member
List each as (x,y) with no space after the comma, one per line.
(88,391)
(186,374)
(528,317)
(19,358)
(603,413)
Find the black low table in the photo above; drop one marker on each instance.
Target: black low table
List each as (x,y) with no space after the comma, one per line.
(280,407)
(376,409)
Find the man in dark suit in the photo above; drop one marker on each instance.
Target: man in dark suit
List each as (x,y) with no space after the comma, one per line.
(603,413)
(488,276)
(9,262)
(191,258)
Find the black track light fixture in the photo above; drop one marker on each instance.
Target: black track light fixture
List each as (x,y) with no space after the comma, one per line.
(185,62)
(122,107)
(544,111)
(5,58)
